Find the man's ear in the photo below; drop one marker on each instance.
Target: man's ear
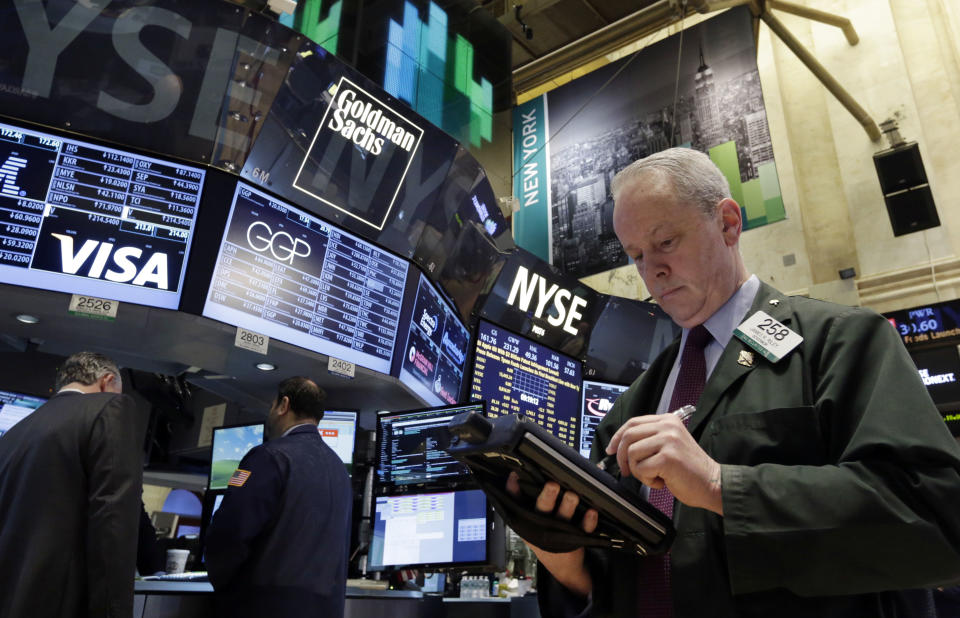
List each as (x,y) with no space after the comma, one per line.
(731,220)
(283,405)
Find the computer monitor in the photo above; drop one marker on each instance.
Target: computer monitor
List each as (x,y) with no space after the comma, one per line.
(598,398)
(230,444)
(211,502)
(14,407)
(410,449)
(338,428)
(432,362)
(515,375)
(451,530)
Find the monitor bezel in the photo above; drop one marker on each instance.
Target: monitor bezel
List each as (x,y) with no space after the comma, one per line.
(473,364)
(356,430)
(495,546)
(382,489)
(213,441)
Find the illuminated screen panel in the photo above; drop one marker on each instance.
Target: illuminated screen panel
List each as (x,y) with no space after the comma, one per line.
(286,274)
(517,376)
(339,429)
(433,359)
(85,219)
(14,407)
(429,529)
(411,444)
(230,444)
(598,398)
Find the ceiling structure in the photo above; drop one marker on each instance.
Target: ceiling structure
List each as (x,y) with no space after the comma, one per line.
(553,37)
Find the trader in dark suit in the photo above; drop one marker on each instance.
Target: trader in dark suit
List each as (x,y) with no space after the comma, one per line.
(816,478)
(278,544)
(70,482)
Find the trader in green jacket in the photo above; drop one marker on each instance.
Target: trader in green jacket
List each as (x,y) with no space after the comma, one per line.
(816,477)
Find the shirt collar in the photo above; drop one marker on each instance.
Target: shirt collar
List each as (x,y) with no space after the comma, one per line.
(70,390)
(726,319)
(294,427)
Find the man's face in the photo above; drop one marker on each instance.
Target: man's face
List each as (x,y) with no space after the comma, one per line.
(688,261)
(273,419)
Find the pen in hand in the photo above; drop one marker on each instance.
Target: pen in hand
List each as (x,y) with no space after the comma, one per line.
(683,412)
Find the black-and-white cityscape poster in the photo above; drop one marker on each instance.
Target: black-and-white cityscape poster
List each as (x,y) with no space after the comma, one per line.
(603,121)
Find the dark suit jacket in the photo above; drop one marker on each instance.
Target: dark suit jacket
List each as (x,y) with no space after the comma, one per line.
(70,482)
(840,479)
(278,544)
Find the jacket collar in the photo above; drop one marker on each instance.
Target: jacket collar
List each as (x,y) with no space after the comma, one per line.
(729,370)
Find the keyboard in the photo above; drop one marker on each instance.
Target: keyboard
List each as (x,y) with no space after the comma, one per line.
(188,576)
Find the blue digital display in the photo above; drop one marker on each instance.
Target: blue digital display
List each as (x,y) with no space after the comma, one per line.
(286,274)
(14,407)
(85,219)
(435,529)
(517,376)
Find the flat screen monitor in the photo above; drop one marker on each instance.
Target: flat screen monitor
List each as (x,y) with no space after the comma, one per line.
(14,407)
(433,359)
(86,219)
(411,446)
(230,444)
(940,371)
(598,398)
(517,376)
(338,428)
(438,531)
(289,275)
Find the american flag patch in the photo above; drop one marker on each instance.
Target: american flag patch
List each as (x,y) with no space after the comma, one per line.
(239,478)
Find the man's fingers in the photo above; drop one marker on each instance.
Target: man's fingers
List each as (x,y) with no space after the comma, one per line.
(590,519)
(547,500)
(513,484)
(568,504)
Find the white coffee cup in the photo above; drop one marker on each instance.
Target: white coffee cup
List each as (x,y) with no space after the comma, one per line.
(177,560)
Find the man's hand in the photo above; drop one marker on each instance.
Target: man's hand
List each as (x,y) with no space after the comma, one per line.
(657,450)
(567,567)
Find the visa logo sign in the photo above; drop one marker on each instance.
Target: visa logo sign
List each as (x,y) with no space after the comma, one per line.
(566,305)
(125,259)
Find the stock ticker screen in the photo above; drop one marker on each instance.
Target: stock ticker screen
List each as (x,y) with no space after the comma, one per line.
(291,276)
(411,447)
(517,376)
(81,218)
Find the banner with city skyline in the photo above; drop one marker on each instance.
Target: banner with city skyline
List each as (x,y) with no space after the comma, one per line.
(603,121)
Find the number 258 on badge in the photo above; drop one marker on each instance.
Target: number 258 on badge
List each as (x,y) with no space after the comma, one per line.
(767,336)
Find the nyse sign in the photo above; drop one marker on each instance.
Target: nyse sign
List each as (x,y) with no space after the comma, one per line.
(530,290)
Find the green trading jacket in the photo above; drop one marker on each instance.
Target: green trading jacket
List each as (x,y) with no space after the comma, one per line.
(840,478)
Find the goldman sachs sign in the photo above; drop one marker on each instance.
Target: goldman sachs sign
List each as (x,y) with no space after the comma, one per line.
(359,137)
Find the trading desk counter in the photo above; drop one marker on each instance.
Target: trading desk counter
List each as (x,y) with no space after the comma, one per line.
(165,599)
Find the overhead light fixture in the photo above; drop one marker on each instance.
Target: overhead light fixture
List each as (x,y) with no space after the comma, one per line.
(26,318)
(266,366)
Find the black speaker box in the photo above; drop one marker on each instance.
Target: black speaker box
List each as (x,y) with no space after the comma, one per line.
(900,168)
(906,193)
(911,210)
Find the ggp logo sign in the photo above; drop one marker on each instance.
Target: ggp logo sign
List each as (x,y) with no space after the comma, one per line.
(281,245)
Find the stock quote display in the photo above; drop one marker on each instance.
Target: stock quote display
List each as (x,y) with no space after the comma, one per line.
(286,274)
(82,218)
(411,447)
(517,376)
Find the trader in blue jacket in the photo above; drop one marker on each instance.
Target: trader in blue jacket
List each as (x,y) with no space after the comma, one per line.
(278,544)
(816,478)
